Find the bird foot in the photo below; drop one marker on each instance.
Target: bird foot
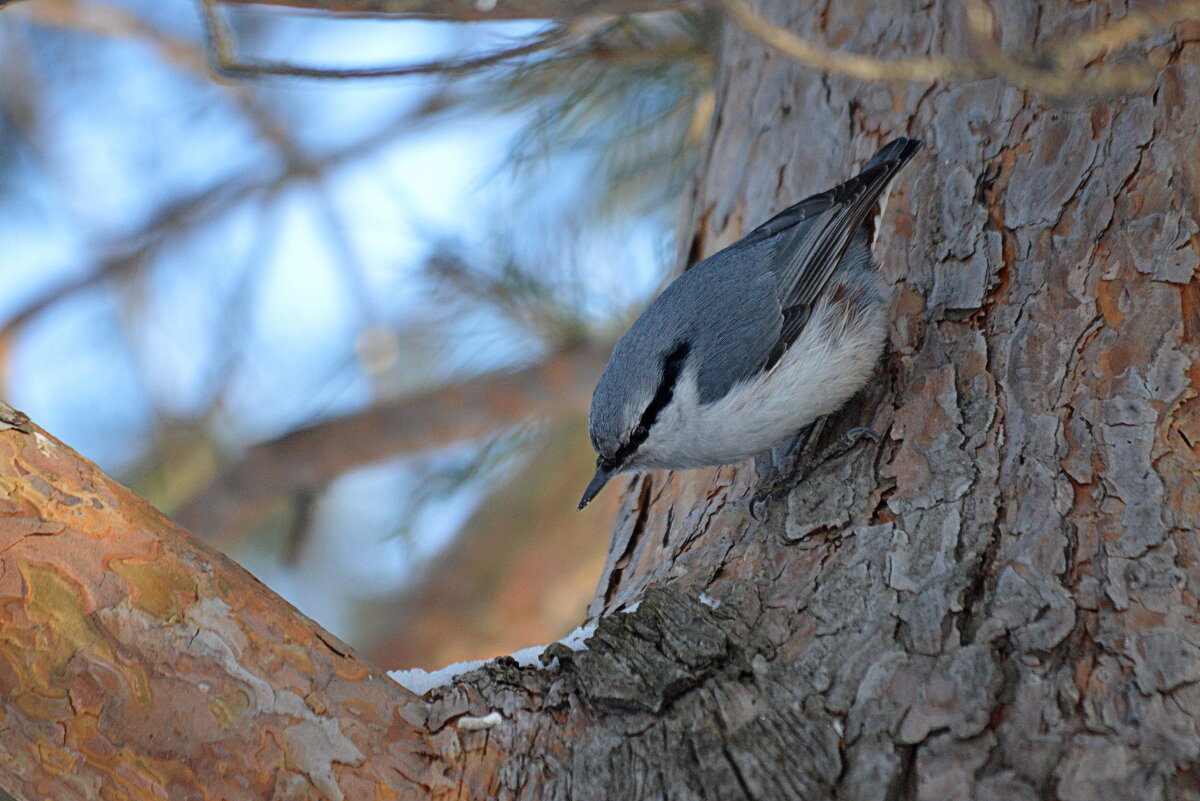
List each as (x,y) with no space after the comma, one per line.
(807,460)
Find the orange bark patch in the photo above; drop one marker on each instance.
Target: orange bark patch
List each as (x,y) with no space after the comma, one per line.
(135,659)
(160,587)
(1108,298)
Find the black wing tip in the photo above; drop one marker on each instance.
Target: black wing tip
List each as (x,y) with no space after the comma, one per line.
(899,150)
(890,158)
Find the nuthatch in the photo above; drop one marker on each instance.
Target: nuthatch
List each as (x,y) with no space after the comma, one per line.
(754,343)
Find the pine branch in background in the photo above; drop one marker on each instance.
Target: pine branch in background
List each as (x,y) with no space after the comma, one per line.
(635,96)
(502,583)
(525,295)
(227,60)
(635,91)
(476,10)
(1057,69)
(239,498)
(189,213)
(115,22)
(495,457)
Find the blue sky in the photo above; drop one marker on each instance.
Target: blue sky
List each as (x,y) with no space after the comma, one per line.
(289,287)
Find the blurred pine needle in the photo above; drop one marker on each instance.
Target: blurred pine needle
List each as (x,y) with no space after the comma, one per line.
(634,95)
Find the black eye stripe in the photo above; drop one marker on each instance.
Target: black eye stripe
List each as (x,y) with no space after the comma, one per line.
(672,367)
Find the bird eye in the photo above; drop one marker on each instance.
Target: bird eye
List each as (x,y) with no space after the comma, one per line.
(639,434)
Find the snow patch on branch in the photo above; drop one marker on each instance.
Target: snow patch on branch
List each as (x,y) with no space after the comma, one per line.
(422,681)
(576,640)
(468,723)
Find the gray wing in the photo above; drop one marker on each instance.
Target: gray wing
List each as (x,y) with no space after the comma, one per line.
(739,310)
(811,238)
(755,296)
(726,310)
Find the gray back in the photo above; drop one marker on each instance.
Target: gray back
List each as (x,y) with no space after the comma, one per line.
(725,307)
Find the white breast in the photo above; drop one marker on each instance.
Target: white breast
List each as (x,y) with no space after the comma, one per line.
(828,363)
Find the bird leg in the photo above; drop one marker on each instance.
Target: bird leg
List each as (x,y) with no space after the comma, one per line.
(845,444)
(776,466)
(801,457)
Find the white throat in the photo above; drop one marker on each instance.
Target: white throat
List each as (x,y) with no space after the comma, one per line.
(829,362)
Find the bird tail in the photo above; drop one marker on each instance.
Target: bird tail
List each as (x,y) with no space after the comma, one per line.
(824,225)
(899,150)
(895,154)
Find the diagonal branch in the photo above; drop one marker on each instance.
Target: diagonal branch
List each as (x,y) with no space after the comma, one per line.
(314,456)
(228,62)
(1053,69)
(138,659)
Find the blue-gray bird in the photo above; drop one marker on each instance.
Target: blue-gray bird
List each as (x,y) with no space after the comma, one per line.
(759,340)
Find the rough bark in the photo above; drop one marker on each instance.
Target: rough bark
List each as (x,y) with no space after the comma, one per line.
(998,602)
(136,663)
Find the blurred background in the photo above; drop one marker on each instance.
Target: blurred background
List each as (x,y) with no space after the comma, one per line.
(345,327)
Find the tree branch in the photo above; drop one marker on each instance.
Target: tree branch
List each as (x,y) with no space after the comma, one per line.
(865,68)
(135,658)
(1053,70)
(228,62)
(313,456)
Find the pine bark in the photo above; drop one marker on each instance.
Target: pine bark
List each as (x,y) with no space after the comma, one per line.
(997,602)
(137,663)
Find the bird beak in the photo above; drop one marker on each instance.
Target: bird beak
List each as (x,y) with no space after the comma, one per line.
(597,483)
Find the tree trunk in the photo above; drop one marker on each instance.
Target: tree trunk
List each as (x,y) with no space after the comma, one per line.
(997,602)
(1000,600)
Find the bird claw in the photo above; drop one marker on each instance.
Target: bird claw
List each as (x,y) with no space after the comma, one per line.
(848,441)
(758,505)
(836,450)
(806,462)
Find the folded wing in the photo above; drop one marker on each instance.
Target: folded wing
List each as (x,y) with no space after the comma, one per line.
(811,237)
